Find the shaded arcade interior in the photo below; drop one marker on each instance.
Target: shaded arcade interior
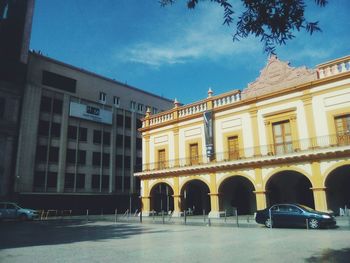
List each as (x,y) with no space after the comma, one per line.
(289,187)
(195,197)
(338,189)
(237,192)
(162,198)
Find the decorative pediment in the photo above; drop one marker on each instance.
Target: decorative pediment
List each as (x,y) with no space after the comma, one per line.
(278,75)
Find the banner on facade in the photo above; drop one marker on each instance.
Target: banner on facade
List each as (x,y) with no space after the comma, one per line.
(90,113)
(208,130)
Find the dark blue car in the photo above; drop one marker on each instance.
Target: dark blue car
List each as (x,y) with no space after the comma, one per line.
(294,215)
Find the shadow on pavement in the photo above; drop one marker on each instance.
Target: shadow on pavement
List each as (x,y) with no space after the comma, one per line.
(36,233)
(331,256)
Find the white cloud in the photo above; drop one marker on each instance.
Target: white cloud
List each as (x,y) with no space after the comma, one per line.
(201,38)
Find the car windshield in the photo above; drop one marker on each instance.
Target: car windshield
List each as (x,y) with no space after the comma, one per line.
(307,208)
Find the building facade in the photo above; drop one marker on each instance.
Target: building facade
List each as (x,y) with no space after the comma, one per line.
(15,29)
(78,140)
(284,138)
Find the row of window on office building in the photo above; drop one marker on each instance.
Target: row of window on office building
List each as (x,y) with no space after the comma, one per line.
(134,106)
(79,182)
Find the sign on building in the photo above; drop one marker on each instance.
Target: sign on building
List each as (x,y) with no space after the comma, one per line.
(208,129)
(90,113)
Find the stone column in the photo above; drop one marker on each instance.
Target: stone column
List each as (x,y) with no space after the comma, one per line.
(214,197)
(177,205)
(318,188)
(320,198)
(214,204)
(260,199)
(146,205)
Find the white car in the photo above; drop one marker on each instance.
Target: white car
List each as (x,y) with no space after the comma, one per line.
(10,210)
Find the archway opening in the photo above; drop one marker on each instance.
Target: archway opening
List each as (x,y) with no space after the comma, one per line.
(162,198)
(337,189)
(195,197)
(289,187)
(237,193)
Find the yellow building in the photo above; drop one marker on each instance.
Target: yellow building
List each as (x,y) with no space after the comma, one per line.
(284,138)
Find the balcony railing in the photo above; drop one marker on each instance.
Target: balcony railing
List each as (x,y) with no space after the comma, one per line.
(280,150)
(181,112)
(334,67)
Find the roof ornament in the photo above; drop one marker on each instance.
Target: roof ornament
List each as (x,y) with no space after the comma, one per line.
(176,103)
(148,112)
(210,92)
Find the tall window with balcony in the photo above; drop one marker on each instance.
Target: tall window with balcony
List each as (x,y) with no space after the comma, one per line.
(233,148)
(342,125)
(194,159)
(282,137)
(161,159)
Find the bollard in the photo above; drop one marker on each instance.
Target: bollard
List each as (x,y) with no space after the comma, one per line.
(153,213)
(163,217)
(87,214)
(116,215)
(185,216)
(225,215)
(204,215)
(237,218)
(307,224)
(209,222)
(270,218)
(248,219)
(141,215)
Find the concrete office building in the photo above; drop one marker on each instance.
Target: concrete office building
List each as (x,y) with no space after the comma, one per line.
(79,139)
(15,29)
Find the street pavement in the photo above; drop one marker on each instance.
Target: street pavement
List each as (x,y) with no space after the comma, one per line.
(79,240)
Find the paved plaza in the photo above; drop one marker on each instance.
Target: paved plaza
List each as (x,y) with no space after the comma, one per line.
(103,241)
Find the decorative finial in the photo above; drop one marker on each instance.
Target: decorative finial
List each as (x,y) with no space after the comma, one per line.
(210,92)
(176,103)
(148,112)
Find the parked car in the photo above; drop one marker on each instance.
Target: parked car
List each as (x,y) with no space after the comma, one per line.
(293,215)
(10,210)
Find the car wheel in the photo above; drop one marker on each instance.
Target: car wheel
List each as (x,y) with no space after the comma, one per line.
(313,223)
(268,222)
(23,217)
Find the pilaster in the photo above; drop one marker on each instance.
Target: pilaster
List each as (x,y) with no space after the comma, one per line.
(254,121)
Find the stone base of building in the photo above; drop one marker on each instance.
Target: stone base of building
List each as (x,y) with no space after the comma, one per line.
(214,214)
(177,214)
(146,213)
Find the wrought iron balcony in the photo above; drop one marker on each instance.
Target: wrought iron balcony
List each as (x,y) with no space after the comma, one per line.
(303,147)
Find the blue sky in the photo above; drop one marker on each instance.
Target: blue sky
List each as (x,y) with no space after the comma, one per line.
(173,51)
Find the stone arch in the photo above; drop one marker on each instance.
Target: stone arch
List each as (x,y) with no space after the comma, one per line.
(287,168)
(236,192)
(195,196)
(224,178)
(289,185)
(159,181)
(337,182)
(333,168)
(161,197)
